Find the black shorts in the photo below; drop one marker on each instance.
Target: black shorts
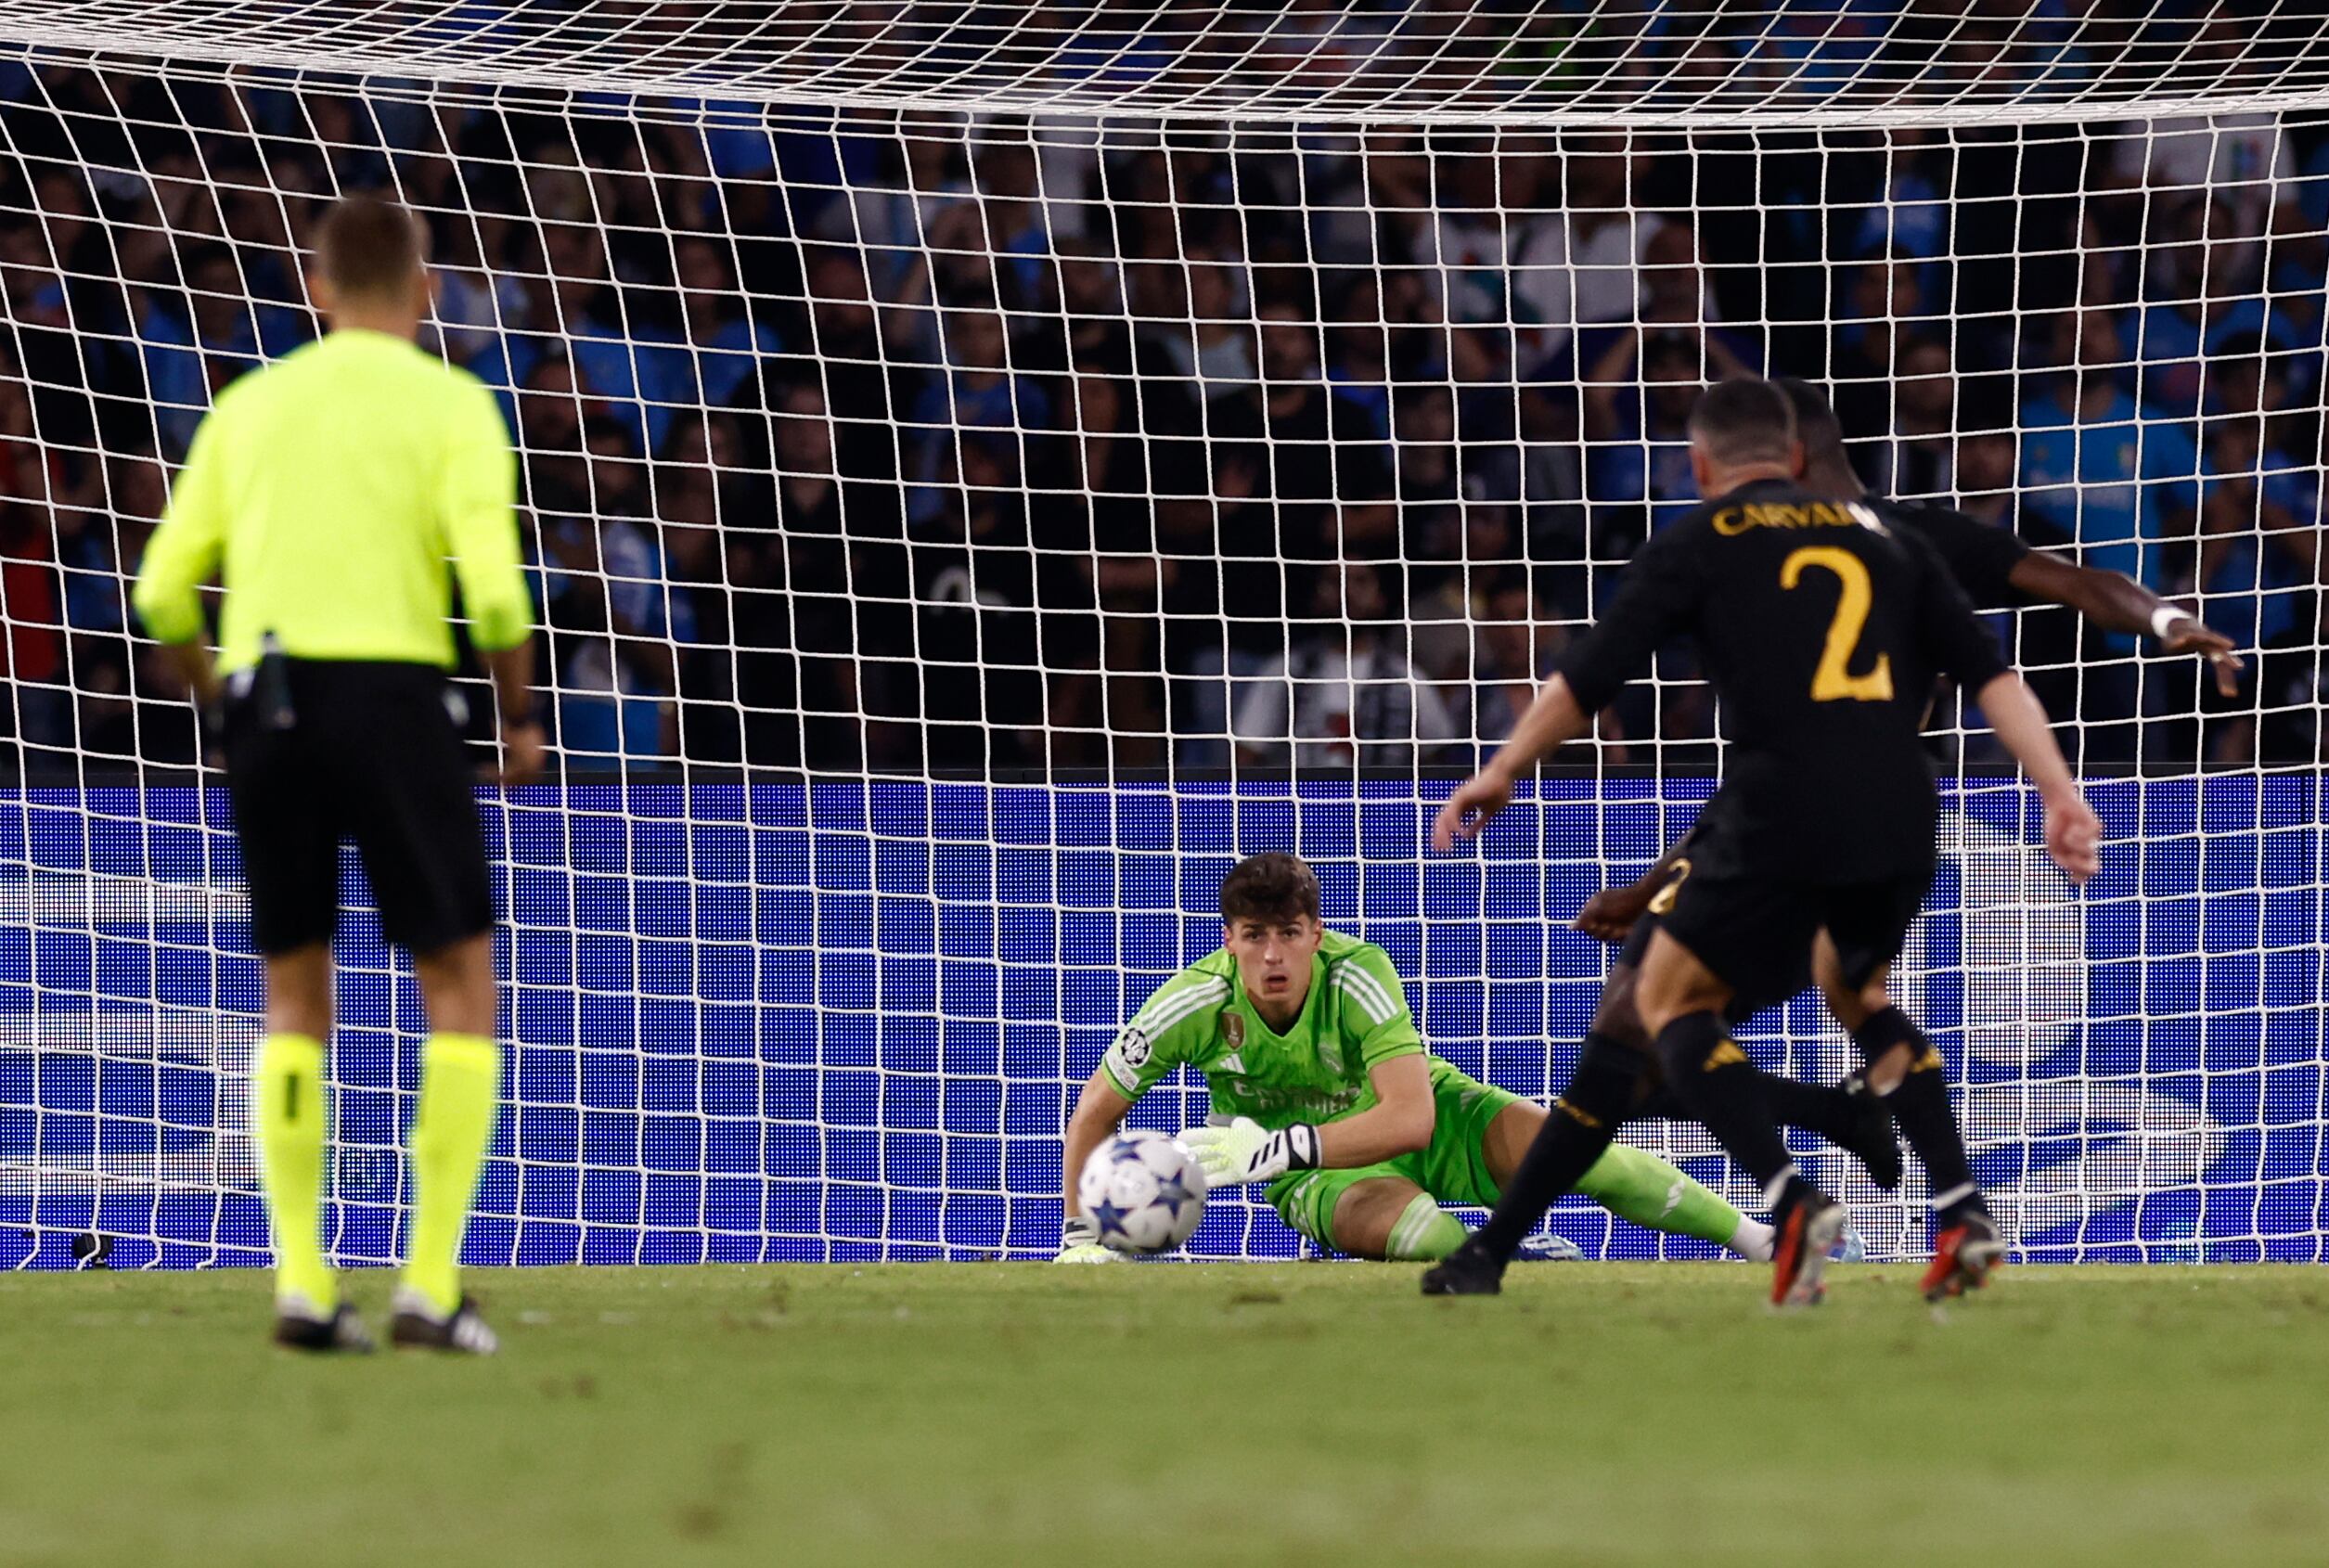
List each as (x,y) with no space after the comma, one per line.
(1755,932)
(372,752)
(1772,992)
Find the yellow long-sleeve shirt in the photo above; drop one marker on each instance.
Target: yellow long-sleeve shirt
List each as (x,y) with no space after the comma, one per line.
(337,494)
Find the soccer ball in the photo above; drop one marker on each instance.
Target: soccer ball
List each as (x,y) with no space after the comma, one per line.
(1144,1191)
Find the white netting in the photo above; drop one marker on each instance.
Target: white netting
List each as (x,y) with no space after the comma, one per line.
(972,454)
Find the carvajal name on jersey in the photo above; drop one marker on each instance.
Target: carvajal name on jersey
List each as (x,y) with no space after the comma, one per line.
(1733,520)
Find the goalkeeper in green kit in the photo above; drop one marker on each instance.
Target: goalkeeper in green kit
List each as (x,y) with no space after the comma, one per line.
(1312,1057)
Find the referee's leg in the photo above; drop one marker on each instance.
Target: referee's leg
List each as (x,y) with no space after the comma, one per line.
(460,1089)
(288,1112)
(413,813)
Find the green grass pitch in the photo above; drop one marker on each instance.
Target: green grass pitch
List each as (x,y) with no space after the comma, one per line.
(1189,1415)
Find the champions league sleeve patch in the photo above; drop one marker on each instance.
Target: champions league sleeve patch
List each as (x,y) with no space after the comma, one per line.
(1134,1048)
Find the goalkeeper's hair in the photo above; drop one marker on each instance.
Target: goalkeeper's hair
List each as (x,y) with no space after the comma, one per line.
(368,247)
(1744,419)
(1270,887)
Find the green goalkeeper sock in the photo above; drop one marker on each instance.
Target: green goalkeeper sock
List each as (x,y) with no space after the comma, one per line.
(287,1108)
(1424,1232)
(460,1087)
(1639,1185)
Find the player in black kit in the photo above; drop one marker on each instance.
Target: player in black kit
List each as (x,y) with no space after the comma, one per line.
(1822,630)
(1997,571)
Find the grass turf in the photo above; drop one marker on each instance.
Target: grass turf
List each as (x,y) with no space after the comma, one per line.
(1226,1414)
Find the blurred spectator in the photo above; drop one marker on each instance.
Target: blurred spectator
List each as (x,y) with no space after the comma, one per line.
(1345,694)
(1637,472)
(2098,467)
(2259,518)
(2244,159)
(1517,652)
(2286,729)
(31,651)
(2210,296)
(980,402)
(1917,457)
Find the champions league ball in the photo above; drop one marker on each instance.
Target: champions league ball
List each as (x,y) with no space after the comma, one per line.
(1143,1190)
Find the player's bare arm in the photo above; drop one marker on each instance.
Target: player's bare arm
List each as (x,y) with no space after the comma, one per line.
(2074,835)
(1100,1109)
(2118,603)
(1609,915)
(1399,1123)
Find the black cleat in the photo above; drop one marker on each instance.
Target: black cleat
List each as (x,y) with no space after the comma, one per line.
(1809,1233)
(1467,1271)
(416,1327)
(1872,1139)
(342,1332)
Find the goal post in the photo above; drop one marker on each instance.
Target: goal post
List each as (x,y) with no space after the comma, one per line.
(986,472)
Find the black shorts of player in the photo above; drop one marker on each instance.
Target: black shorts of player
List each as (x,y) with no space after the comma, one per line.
(1772,992)
(1755,932)
(362,751)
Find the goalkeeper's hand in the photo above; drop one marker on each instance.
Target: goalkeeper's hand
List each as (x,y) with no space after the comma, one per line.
(1079,1242)
(1244,1151)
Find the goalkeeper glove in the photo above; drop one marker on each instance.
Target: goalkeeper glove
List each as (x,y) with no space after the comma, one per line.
(1244,1151)
(1079,1241)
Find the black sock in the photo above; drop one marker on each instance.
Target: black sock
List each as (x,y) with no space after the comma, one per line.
(1708,1071)
(1920,1107)
(1584,1121)
(1815,1108)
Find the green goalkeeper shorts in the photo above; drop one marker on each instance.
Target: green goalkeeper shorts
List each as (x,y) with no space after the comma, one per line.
(1453,1167)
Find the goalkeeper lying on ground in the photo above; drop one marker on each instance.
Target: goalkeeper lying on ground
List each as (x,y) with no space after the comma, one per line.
(1304,1038)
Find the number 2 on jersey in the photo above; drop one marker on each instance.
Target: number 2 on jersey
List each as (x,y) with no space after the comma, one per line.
(1833,681)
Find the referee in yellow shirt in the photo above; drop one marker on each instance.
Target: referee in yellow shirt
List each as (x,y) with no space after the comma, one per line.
(329,494)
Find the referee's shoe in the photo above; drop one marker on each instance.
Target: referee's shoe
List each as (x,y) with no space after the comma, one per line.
(299,1327)
(416,1326)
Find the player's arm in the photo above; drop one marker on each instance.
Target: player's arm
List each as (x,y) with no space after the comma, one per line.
(2118,603)
(1400,1122)
(1176,1020)
(1653,601)
(2074,834)
(1969,655)
(1609,915)
(481,517)
(1379,1031)
(1100,1109)
(184,555)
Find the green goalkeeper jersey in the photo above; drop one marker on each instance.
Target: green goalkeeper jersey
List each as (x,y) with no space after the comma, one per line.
(1355,1015)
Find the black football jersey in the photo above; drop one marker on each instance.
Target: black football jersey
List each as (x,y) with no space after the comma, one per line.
(1981,558)
(1821,627)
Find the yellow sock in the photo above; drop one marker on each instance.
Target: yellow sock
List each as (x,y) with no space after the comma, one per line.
(288,1111)
(460,1087)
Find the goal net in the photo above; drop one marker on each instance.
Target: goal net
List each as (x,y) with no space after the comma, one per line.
(986,467)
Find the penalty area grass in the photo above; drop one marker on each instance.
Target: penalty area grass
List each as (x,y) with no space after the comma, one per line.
(1195,1415)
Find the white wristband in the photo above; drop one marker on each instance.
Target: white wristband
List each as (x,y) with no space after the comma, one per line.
(2165,617)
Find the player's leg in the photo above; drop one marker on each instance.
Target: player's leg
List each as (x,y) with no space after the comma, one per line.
(1746,927)
(1852,961)
(461,1090)
(290,1114)
(1391,1217)
(1368,1212)
(287,825)
(414,818)
(1630,1183)
(1844,1114)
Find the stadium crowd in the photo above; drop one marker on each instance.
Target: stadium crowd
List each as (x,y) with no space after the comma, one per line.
(899,443)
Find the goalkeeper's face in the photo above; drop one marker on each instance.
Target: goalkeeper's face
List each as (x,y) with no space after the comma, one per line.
(1273,956)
